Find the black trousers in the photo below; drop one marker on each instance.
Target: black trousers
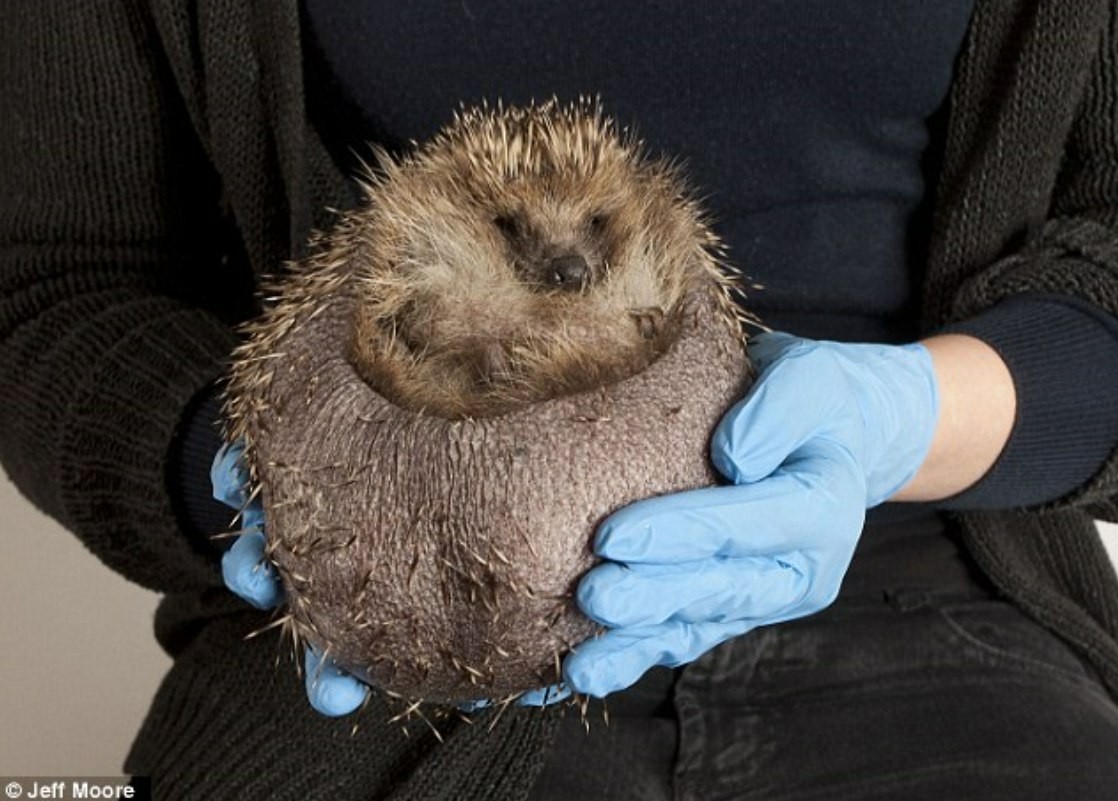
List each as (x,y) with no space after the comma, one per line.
(918,683)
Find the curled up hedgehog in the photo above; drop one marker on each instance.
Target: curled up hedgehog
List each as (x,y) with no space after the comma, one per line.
(524,327)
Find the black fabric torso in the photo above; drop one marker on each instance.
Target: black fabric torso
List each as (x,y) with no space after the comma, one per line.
(802,123)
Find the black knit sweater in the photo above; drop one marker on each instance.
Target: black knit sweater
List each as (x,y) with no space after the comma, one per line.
(158,159)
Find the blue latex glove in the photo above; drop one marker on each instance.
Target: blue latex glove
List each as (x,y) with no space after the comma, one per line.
(827,431)
(246,571)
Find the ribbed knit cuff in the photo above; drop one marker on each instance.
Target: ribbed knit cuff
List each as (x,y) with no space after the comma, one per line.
(118,433)
(196,443)
(1063,356)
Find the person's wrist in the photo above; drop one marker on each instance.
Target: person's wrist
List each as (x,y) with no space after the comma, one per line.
(976,415)
(904,419)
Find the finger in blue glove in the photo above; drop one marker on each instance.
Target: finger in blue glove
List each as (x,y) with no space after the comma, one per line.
(244,567)
(229,476)
(330,690)
(249,574)
(619,657)
(543,696)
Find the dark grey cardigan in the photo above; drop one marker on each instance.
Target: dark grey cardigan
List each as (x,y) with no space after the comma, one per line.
(158,159)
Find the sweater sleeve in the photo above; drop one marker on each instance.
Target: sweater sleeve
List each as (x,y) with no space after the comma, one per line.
(1063,357)
(197,441)
(1051,311)
(118,282)
(1072,259)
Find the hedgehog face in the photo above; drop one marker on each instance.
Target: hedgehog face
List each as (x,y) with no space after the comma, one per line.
(520,255)
(553,252)
(556,191)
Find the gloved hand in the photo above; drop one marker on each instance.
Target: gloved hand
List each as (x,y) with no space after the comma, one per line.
(248,573)
(827,431)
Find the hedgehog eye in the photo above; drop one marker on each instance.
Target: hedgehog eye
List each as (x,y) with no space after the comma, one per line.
(507,225)
(597,222)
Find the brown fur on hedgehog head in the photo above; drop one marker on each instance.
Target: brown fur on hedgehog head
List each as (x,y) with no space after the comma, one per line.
(519,255)
(436,555)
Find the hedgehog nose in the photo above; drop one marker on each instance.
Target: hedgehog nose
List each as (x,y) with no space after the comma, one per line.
(569,271)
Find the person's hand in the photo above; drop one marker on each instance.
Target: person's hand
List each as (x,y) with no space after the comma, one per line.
(827,431)
(243,567)
(248,573)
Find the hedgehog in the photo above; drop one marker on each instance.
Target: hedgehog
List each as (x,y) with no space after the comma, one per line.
(525,325)
(520,255)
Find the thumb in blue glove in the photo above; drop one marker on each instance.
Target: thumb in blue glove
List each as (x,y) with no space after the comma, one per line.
(827,431)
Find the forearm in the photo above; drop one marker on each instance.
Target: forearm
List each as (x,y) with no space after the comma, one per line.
(1027,414)
(978,403)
